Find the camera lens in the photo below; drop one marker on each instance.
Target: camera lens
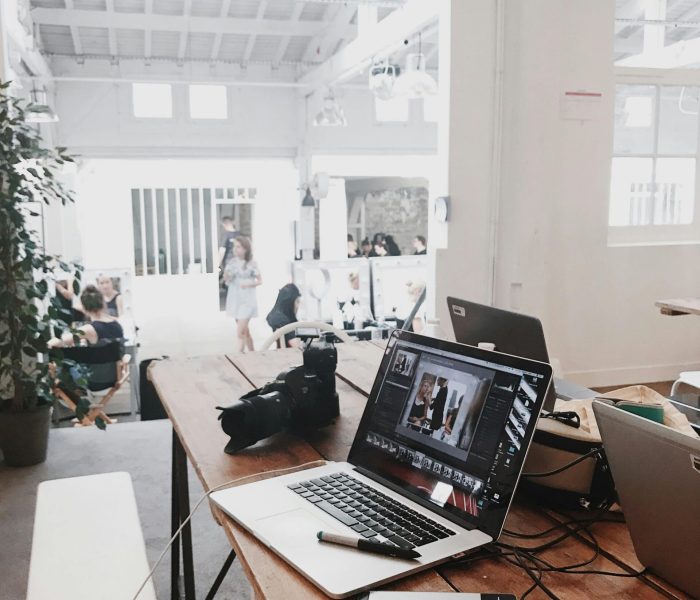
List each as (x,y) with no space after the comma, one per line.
(251,419)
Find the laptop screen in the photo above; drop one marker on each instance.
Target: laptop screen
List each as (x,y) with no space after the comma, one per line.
(450,425)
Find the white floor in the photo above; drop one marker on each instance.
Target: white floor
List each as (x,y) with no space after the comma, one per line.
(195,335)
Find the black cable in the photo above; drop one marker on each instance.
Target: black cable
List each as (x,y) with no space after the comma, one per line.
(551,567)
(573,569)
(533,536)
(536,578)
(520,556)
(596,517)
(581,458)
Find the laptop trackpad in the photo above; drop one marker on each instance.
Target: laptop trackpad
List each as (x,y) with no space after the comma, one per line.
(337,569)
(297,527)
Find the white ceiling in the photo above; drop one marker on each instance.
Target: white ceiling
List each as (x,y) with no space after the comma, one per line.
(274,32)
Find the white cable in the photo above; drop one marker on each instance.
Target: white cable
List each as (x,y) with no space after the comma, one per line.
(206,495)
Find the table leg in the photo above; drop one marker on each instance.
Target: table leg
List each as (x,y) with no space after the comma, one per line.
(183,510)
(174,524)
(220,577)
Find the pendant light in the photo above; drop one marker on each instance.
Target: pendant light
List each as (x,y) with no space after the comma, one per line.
(331,113)
(415,82)
(39,110)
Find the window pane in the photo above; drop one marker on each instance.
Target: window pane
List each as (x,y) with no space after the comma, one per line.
(208,102)
(675,196)
(394,109)
(152,100)
(635,112)
(678,120)
(630,192)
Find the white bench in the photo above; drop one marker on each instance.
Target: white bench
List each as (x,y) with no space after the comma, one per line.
(87,541)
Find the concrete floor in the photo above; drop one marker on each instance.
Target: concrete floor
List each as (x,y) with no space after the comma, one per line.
(141,449)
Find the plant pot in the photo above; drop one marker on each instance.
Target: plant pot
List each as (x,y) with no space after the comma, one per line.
(24,436)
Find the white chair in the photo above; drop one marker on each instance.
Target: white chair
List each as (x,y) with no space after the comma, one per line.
(691,378)
(279,333)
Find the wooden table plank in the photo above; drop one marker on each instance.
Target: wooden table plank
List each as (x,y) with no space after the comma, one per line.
(191,389)
(615,541)
(679,306)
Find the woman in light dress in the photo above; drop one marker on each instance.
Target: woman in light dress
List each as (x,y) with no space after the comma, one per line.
(242,276)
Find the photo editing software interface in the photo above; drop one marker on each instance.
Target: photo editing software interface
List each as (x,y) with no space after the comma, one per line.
(450,430)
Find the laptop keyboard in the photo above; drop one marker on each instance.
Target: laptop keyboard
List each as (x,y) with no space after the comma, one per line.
(369,512)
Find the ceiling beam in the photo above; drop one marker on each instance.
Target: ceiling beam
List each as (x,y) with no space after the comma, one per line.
(74,33)
(218,37)
(113,50)
(284,42)
(182,46)
(388,36)
(148,32)
(179,23)
(250,44)
(336,29)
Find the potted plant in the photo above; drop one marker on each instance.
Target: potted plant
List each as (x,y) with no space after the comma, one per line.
(28,315)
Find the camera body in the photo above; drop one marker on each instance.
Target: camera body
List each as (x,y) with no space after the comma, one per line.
(299,400)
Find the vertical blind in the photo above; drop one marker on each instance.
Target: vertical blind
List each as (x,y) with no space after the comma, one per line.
(176,229)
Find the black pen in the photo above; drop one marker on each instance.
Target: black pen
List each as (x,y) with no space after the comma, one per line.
(367,545)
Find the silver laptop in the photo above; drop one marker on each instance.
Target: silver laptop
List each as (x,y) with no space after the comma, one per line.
(433,467)
(657,475)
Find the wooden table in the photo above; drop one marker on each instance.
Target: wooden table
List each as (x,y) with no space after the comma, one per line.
(679,306)
(190,389)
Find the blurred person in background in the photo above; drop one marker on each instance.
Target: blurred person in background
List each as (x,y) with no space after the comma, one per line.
(242,276)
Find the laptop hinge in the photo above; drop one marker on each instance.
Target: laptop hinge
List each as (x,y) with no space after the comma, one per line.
(417,499)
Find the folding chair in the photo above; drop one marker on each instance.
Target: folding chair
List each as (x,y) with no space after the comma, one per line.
(108,370)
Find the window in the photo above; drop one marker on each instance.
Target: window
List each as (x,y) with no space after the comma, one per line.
(654,192)
(394,110)
(208,102)
(152,100)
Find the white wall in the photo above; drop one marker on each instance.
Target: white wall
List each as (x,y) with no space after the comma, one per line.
(97,120)
(596,302)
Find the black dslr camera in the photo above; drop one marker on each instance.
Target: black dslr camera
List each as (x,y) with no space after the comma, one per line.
(298,400)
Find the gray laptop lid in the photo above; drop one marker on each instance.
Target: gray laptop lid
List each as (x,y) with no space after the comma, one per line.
(657,475)
(511,332)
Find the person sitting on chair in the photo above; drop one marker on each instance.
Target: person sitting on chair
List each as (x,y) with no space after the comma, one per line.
(99,351)
(101,329)
(284,312)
